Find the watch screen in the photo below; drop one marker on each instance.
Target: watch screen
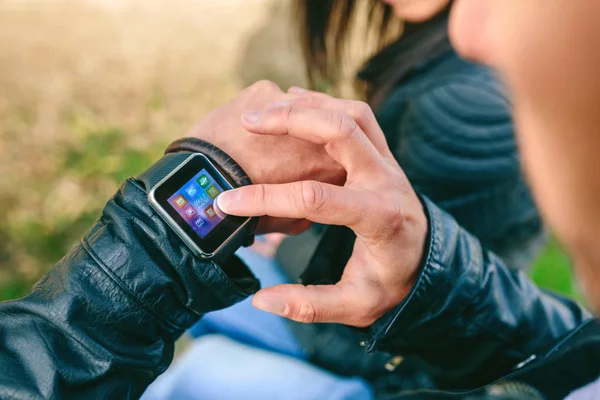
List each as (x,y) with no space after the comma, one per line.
(195,200)
(187,199)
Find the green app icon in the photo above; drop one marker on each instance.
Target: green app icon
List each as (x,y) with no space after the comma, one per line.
(203,181)
(212,191)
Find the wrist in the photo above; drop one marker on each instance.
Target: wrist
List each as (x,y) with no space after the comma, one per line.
(131,244)
(220,157)
(416,239)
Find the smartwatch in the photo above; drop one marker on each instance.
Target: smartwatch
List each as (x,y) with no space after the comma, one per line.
(182,187)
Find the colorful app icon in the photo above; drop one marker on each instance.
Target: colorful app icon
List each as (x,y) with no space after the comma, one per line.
(192,190)
(199,222)
(189,212)
(210,212)
(180,201)
(203,181)
(213,191)
(201,201)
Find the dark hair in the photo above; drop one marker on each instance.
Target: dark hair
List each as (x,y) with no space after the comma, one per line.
(324,28)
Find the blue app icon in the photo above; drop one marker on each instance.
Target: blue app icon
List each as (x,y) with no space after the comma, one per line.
(192,191)
(199,222)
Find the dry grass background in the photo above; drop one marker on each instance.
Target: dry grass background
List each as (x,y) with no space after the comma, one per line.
(92,90)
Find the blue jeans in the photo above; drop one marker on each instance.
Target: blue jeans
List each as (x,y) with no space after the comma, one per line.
(242,352)
(251,326)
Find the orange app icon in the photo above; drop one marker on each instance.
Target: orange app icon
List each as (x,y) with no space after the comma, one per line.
(180,201)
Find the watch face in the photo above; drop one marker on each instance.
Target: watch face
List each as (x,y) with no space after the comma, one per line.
(187,197)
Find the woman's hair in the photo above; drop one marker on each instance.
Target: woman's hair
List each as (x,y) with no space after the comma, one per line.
(325,26)
(324,29)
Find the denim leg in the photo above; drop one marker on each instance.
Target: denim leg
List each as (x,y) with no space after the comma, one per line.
(246,324)
(218,368)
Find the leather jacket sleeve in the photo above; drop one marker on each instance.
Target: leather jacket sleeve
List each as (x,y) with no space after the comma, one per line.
(103,321)
(469,317)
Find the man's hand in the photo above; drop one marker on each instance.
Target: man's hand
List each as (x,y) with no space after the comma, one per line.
(377,202)
(267,159)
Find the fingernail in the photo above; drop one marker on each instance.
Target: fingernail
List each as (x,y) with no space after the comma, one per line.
(281,103)
(226,201)
(252,116)
(269,304)
(297,90)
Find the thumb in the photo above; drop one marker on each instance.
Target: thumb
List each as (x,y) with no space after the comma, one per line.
(308,304)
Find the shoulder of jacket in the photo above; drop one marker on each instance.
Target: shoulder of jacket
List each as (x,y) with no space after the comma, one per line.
(460,127)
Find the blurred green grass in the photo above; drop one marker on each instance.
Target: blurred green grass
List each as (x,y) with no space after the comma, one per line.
(98,163)
(553,271)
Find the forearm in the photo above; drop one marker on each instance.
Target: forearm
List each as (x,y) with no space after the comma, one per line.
(469,316)
(103,321)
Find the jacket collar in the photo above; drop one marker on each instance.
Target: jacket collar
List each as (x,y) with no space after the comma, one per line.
(419,45)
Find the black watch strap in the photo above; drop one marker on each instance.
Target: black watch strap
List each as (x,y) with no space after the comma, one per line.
(222,160)
(160,169)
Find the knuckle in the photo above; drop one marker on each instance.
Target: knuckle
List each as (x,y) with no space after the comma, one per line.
(286,112)
(265,85)
(345,127)
(361,112)
(313,101)
(313,196)
(260,195)
(395,216)
(305,313)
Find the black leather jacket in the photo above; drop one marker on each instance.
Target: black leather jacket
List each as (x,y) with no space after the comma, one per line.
(103,321)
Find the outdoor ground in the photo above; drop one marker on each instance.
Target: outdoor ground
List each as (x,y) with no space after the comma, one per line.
(92,90)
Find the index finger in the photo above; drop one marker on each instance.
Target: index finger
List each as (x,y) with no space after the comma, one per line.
(311,200)
(359,111)
(341,136)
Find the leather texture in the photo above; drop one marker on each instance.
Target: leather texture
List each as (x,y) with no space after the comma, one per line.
(572,362)
(469,318)
(161,168)
(228,166)
(101,324)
